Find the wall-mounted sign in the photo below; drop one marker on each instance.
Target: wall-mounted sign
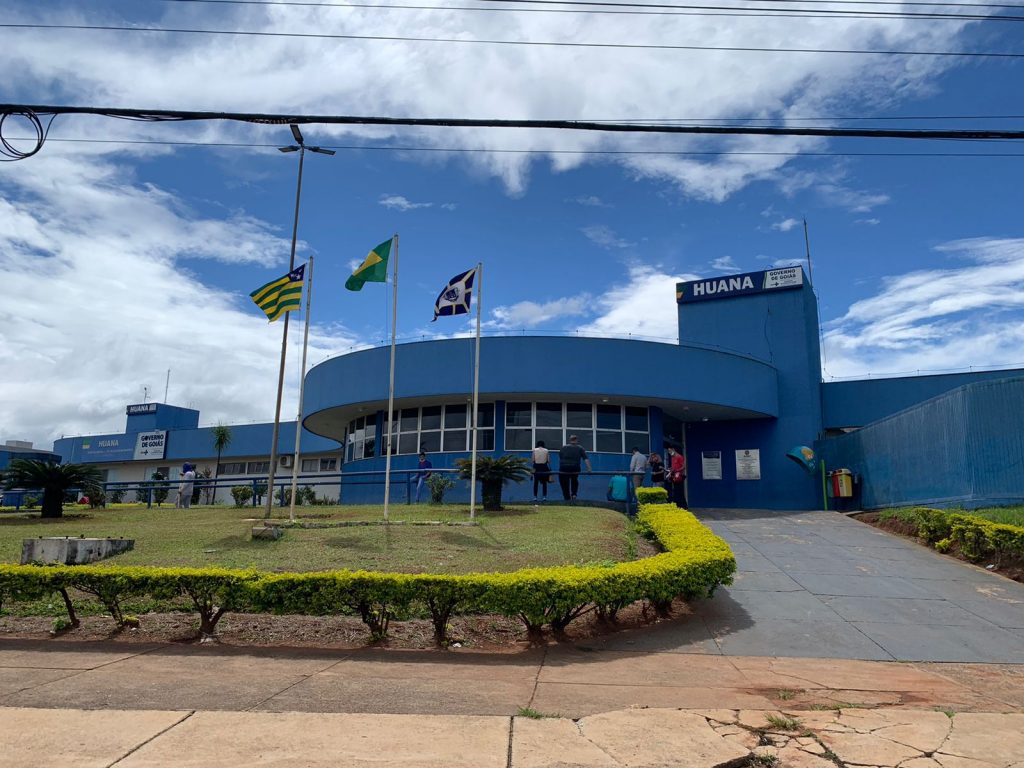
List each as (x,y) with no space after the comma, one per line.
(748,464)
(135,410)
(102,448)
(739,285)
(711,465)
(150,445)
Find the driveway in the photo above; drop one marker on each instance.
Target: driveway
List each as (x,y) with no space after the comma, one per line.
(820,584)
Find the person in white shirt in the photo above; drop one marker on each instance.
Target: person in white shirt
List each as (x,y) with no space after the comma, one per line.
(637,468)
(541,470)
(186,486)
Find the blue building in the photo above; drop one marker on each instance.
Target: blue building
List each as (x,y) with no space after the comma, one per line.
(739,390)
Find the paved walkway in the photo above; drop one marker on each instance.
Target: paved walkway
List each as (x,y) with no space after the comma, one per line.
(819,584)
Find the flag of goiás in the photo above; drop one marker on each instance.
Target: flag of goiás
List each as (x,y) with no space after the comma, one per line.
(281,295)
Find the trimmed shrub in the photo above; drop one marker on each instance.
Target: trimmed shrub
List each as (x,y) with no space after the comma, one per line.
(974,537)
(695,563)
(241,494)
(651,495)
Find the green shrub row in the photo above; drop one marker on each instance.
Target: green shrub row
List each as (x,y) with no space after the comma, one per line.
(652,495)
(695,562)
(974,537)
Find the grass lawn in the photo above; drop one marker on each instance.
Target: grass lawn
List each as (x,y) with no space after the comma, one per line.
(1009,515)
(519,537)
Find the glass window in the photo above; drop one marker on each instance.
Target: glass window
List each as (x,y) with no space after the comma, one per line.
(586,440)
(370,446)
(455,416)
(485,415)
(329,465)
(609,417)
(518,414)
(636,419)
(410,419)
(408,443)
(549,414)
(640,439)
(233,468)
(430,442)
(431,417)
(257,467)
(609,442)
(518,440)
(455,439)
(310,465)
(552,438)
(485,439)
(579,416)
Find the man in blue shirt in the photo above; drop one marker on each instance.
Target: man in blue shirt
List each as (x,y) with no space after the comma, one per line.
(424,472)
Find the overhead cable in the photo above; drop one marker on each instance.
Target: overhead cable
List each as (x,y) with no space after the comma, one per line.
(541,43)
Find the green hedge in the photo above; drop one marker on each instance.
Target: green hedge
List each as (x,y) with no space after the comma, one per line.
(974,537)
(652,495)
(695,562)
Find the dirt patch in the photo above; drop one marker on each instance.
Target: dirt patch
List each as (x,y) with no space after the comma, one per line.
(484,633)
(1011,568)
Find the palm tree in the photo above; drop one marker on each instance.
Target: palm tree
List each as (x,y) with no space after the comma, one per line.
(221,439)
(493,473)
(55,480)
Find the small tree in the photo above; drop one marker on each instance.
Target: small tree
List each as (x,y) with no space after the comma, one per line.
(160,490)
(493,473)
(54,479)
(439,483)
(221,439)
(241,494)
(198,488)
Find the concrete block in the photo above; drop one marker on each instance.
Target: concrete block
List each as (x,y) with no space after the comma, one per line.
(63,550)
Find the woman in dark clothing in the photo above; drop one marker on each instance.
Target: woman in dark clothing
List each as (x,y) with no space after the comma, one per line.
(657,471)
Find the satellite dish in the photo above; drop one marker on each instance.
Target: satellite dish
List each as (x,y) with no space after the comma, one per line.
(803,456)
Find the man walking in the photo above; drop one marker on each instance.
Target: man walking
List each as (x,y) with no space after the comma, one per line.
(570,458)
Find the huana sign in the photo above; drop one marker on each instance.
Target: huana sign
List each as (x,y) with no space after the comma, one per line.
(739,285)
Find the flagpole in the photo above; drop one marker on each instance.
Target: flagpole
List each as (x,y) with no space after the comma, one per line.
(302,389)
(284,350)
(476,390)
(391,389)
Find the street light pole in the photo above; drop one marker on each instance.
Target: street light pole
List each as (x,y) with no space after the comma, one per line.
(300,147)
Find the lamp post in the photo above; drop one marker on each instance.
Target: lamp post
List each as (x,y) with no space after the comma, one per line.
(300,147)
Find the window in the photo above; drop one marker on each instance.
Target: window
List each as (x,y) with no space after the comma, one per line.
(329,465)
(601,428)
(257,468)
(310,465)
(435,428)
(232,468)
(361,441)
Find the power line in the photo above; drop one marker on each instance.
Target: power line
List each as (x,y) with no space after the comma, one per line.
(596,3)
(162,115)
(541,43)
(683,10)
(474,150)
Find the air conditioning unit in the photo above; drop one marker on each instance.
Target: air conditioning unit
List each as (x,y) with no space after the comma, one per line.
(287,461)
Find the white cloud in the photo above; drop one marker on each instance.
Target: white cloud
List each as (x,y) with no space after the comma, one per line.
(399,203)
(868,222)
(405,78)
(787,262)
(99,303)
(591,201)
(531,314)
(855,201)
(643,305)
(605,237)
(725,264)
(937,319)
(785,225)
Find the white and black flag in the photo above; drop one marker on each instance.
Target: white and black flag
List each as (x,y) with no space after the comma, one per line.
(456,296)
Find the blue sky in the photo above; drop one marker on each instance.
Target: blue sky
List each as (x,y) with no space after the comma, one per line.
(120,261)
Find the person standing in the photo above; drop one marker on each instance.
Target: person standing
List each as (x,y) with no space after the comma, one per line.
(637,468)
(424,472)
(657,470)
(677,478)
(186,486)
(541,470)
(571,457)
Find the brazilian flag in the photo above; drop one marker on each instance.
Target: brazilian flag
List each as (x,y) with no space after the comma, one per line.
(374,268)
(281,295)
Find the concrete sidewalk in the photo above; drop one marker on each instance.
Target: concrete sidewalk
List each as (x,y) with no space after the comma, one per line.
(127,705)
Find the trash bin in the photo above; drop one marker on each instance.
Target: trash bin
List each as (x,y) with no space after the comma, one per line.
(842,483)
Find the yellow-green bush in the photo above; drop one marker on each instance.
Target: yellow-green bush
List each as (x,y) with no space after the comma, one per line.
(651,495)
(695,562)
(975,537)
